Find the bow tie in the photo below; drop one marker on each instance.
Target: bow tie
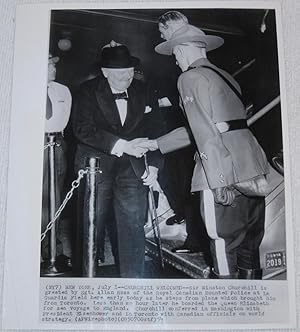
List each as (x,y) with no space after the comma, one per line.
(121,95)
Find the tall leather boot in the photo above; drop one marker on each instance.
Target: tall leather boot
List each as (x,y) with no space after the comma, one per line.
(250,273)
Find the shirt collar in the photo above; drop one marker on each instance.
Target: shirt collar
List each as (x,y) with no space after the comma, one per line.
(116,91)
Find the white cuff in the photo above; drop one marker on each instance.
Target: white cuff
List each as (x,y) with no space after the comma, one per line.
(164,102)
(118,148)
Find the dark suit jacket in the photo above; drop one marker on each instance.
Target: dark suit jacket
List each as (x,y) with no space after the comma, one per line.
(97,125)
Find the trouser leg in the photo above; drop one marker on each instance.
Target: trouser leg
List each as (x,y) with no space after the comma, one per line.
(105,214)
(226,226)
(196,232)
(103,208)
(111,229)
(64,224)
(130,205)
(169,181)
(248,259)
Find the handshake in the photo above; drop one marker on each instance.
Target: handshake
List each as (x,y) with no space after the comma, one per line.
(139,146)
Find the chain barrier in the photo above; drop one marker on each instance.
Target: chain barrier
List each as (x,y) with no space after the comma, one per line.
(46,146)
(75,184)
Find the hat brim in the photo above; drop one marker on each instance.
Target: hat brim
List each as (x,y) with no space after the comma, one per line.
(211,42)
(133,62)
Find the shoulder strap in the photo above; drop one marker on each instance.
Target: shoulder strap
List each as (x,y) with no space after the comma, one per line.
(233,88)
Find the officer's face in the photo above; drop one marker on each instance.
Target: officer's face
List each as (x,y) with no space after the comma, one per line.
(180,57)
(119,79)
(51,71)
(166,31)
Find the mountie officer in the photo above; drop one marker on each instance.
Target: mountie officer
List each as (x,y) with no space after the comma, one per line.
(228,153)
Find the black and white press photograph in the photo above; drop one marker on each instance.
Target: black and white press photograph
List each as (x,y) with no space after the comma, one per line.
(163,150)
(152,175)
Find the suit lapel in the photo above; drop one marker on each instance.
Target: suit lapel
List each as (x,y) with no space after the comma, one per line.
(107,103)
(135,106)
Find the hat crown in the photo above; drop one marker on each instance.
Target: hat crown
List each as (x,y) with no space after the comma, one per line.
(117,57)
(188,31)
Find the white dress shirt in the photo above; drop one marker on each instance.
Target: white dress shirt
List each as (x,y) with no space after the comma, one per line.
(121,105)
(61,101)
(117,150)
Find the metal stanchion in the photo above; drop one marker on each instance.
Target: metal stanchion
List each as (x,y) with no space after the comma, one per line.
(52,199)
(51,267)
(89,222)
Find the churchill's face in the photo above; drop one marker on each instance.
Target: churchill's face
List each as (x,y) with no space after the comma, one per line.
(119,78)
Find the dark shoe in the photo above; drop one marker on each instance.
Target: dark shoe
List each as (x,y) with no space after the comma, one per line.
(184,249)
(64,260)
(174,220)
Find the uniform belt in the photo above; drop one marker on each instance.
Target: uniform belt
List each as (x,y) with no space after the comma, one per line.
(225,126)
(55,133)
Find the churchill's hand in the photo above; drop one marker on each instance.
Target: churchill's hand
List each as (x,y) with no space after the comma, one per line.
(133,149)
(224,195)
(149,144)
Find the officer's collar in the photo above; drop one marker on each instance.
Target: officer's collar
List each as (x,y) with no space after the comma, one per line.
(198,63)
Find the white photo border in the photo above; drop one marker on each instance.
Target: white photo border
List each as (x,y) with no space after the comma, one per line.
(21,271)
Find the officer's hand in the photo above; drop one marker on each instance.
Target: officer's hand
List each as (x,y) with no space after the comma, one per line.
(149,144)
(224,195)
(132,148)
(150,179)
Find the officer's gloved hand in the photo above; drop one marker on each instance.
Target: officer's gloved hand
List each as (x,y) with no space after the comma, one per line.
(224,195)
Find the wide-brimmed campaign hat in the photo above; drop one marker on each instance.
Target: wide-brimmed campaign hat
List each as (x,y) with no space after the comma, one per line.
(115,55)
(189,33)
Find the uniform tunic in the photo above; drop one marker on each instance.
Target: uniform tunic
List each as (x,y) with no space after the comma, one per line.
(222,160)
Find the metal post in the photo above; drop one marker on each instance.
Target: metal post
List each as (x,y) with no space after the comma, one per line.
(52,266)
(90,231)
(52,199)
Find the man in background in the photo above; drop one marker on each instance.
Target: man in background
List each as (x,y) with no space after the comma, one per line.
(181,197)
(58,109)
(169,22)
